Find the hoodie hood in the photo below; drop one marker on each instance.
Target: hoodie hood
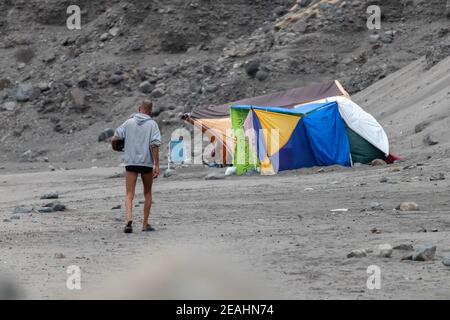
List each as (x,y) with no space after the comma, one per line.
(141,118)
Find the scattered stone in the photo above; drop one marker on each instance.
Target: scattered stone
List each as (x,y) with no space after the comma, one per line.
(114,31)
(404,247)
(51,195)
(106,134)
(374,38)
(104,37)
(384,180)
(116,207)
(378,162)
(421,126)
(116,79)
(424,253)
(308,189)
(168,173)
(376,206)
(146,87)
(430,141)
(446,261)
(27,155)
(15,217)
(55,207)
(25,92)
(384,250)
(437,177)
(304,3)
(252,67)
(45,210)
(359,253)
(261,75)
(375,231)
(6,220)
(23,210)
(9,106)
(157,93)
(408,206)
(59,255)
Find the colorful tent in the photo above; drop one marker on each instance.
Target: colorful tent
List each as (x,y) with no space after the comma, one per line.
(329,132)
(215,120)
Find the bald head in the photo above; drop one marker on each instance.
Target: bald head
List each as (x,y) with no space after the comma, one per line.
(146,107)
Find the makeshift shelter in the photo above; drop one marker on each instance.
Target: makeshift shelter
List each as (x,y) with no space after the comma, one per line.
(215,120)
(331,131)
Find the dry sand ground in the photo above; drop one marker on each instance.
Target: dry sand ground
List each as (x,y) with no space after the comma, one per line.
(271,227)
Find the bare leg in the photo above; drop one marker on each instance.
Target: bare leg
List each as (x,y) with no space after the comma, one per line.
(147,180)
(131,178)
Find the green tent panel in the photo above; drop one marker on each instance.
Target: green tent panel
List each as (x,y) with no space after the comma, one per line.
(362,151)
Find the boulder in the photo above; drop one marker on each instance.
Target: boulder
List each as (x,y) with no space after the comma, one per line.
(424,253)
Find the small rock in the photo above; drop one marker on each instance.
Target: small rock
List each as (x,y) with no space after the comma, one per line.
(116,79)
(408,206)
(6,220)
(59,255)
(384,250)
(168,173)
(261,75)
(23,210)
(56,207)
(104,37)
(384,180)
(51,195)
(374,38)
(157,93)
(45,210)
(446,261)
(9,106)
(430,141)
(378,162)
(116,207)
(437,177)
(15,217)
(252,67)
(146,87)
(114,31)
(25,92)
(106,134)
(376,206)
(359,253)
(424,253)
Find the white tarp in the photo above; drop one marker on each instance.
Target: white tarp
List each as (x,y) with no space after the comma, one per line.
(361,122)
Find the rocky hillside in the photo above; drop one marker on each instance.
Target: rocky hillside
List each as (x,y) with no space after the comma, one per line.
(60,88)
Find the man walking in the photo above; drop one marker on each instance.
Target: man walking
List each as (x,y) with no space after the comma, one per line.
(141,138)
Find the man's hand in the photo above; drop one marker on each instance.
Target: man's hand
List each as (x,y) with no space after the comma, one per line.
(155,156)
(155,172)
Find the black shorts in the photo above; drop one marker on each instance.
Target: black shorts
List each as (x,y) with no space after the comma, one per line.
(139,169)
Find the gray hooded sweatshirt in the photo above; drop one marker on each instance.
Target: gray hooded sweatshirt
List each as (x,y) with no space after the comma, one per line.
(140,133)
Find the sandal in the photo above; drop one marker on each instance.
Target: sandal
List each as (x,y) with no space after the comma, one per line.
(148,228)
(128,227)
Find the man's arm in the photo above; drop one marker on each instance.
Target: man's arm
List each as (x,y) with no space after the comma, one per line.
(117,141)
(155,156)
(117,144)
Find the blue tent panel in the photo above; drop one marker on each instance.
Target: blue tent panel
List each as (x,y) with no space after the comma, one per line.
(327,136)
(297,153)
